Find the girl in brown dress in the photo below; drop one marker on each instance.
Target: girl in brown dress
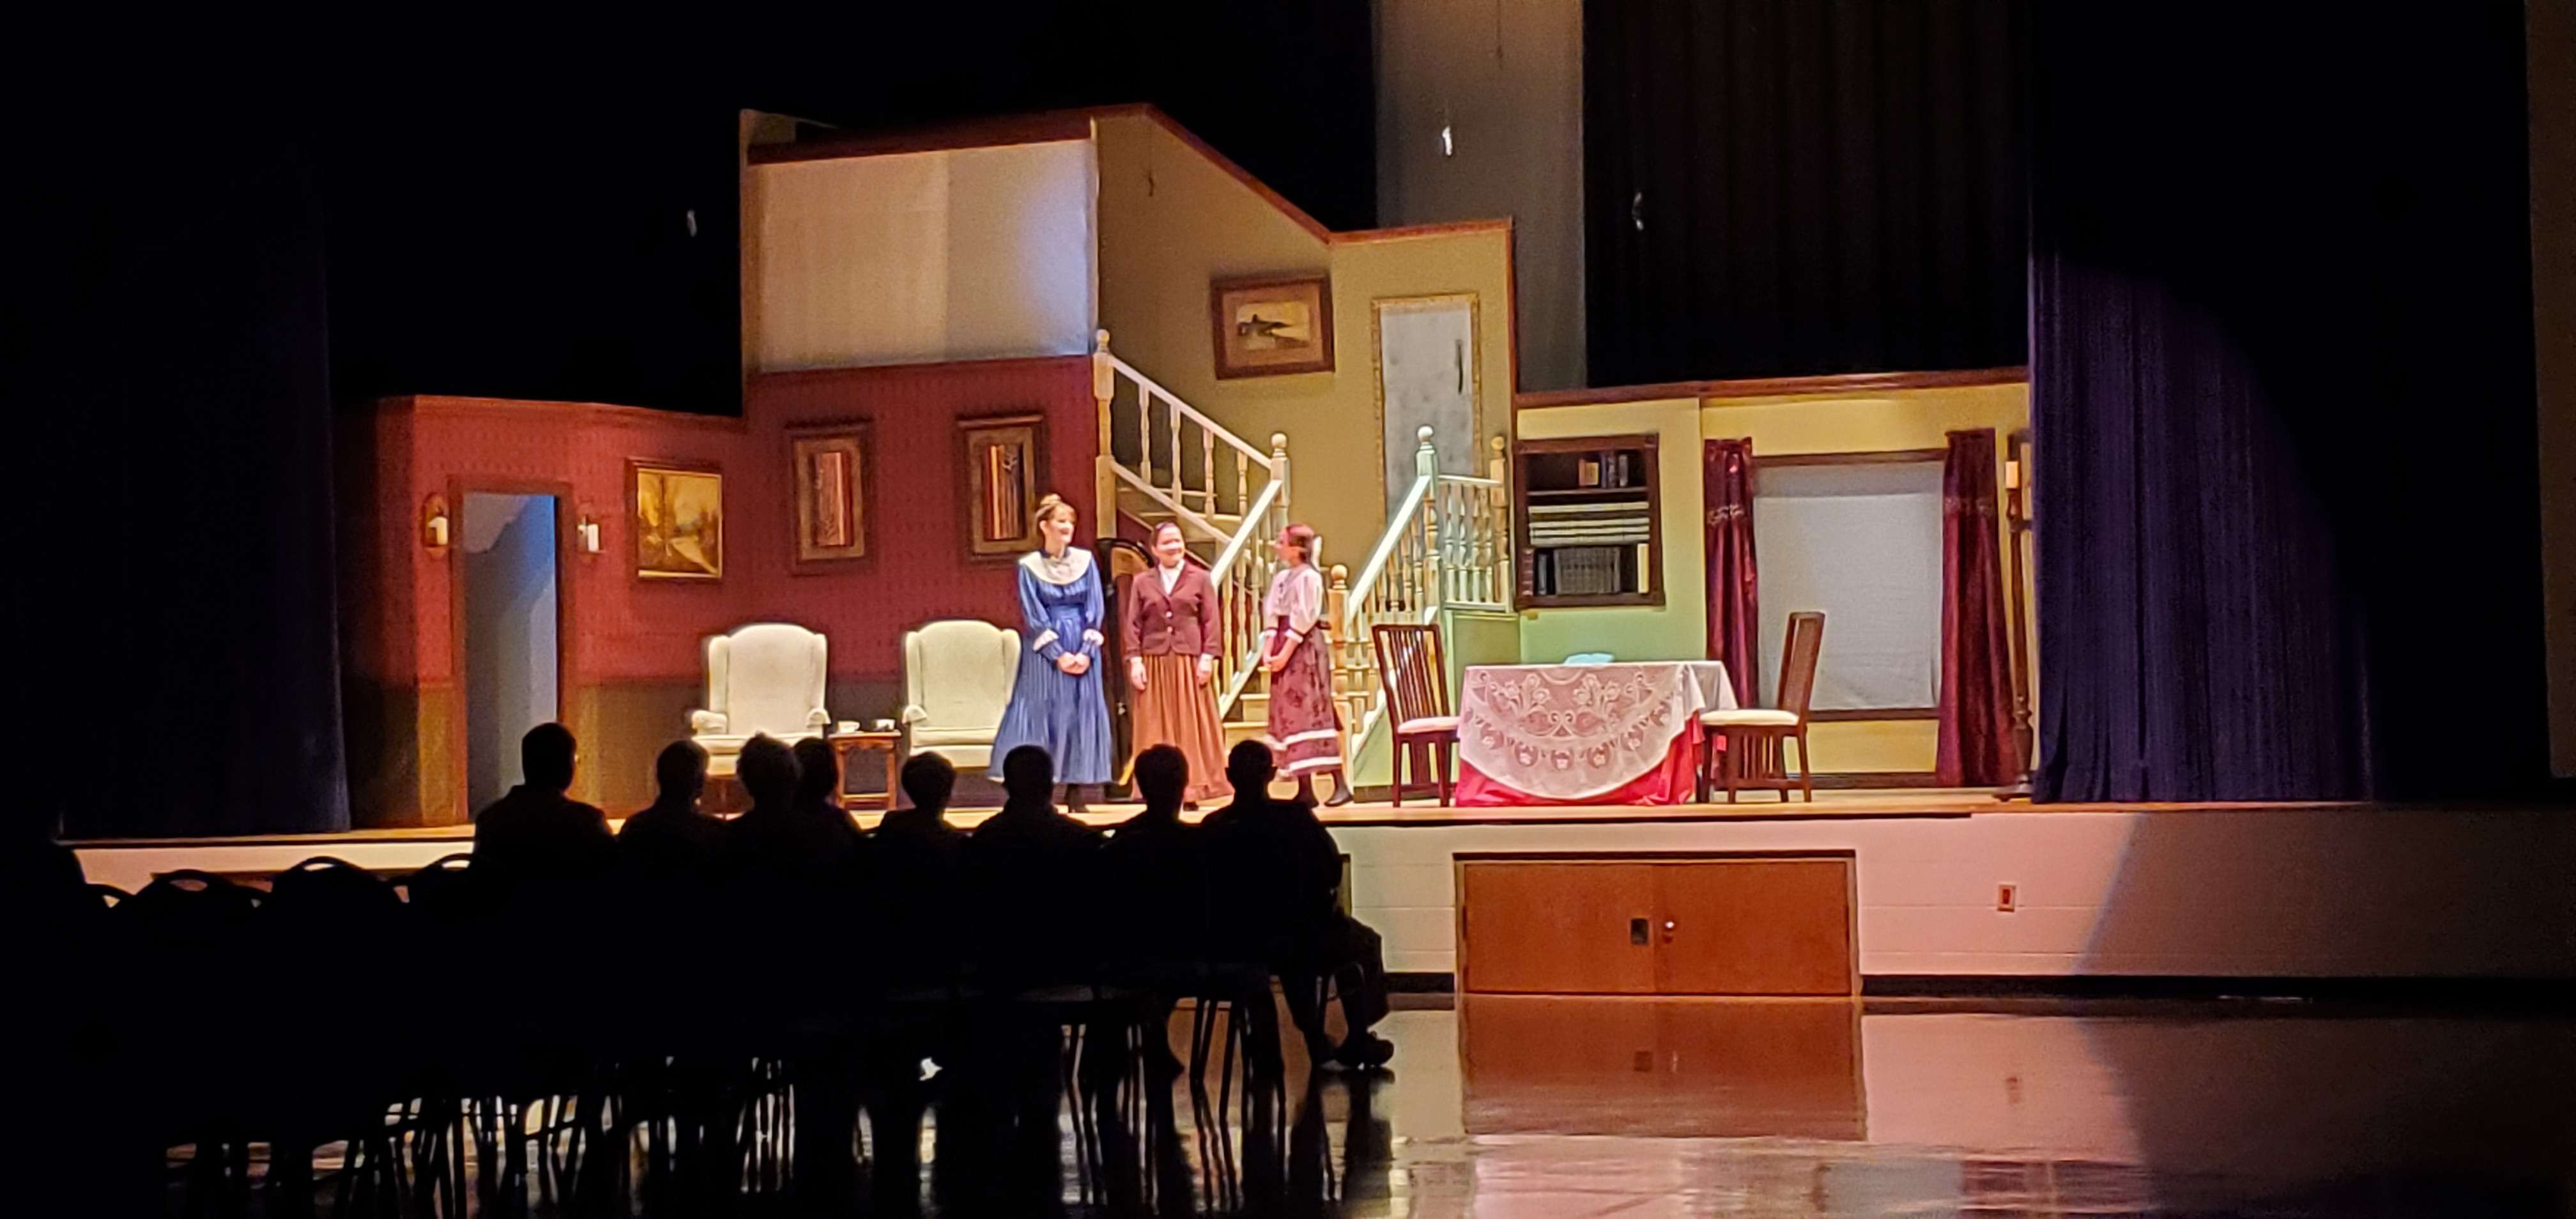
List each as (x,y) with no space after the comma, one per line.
(1171,632)
(1305,722)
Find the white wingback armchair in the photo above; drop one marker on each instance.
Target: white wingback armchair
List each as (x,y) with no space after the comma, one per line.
(766,677)
(957,679)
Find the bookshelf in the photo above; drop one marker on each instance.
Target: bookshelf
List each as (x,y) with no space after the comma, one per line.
(1585,522)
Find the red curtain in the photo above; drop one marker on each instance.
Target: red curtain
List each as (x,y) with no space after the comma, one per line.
(1734,633)
(1978,746)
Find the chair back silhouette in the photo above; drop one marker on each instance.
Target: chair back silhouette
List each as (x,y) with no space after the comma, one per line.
(1798,661)
(1749,745)
(1414,672)
(444,890)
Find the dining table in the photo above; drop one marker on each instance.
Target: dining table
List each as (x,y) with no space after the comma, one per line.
(1624,732)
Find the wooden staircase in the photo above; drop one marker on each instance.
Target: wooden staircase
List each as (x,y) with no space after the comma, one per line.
(1163,460)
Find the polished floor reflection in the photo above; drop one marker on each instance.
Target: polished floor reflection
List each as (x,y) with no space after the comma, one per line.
(1711,1107)
(1637,1107)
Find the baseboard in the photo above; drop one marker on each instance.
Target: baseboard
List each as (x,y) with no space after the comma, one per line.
(2546,994)
(2483,992)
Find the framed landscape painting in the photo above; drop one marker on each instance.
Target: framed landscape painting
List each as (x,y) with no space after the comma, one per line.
(679,520)
(1272,327)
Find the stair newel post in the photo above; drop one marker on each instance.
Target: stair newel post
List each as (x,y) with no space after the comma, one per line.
(1337,612)
(1279,469)
(1104,479)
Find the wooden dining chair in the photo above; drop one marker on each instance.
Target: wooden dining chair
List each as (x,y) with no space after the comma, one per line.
(1415,676)
(1756,739)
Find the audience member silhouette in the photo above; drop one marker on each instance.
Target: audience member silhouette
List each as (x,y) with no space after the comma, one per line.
(778,837)
(536,834)
(914,853)
(671,838)
(1154,908)
(1273,874)
(1028,873)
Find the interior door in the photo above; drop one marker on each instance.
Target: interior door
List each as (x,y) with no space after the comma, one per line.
(1557,927)
(1754,927)
(511,610)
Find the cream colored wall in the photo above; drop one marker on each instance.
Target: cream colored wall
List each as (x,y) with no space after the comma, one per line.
(1172,221)
(1678,629)
(1899,419)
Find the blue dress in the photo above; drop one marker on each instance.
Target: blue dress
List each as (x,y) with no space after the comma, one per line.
(1065,715)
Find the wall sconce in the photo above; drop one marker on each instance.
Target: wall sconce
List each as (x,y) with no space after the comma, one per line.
(588,534)
(433,524)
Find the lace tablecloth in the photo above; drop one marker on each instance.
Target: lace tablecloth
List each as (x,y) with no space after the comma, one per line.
(1575,733)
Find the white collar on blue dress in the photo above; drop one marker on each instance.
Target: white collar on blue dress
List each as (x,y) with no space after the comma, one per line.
(1072,566)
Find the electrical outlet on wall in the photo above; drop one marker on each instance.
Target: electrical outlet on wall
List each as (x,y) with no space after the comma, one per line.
(2007,898)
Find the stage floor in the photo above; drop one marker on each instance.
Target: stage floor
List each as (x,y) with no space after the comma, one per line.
(131,863)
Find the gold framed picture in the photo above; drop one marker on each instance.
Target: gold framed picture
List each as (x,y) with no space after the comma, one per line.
(1272,326)
(678,509)
(830,476)
(1003,454)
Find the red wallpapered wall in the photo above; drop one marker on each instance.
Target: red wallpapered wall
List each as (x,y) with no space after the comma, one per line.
(627,629)
(916,570)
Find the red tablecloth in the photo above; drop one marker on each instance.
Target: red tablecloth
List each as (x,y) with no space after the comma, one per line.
(1582,734)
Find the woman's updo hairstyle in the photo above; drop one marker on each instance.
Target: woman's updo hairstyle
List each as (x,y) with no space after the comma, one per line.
(1303,538)
(1047,508)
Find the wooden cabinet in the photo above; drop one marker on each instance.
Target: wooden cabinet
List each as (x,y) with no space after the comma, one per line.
(1699,925)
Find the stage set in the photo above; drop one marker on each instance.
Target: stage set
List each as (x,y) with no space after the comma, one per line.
(1561,685)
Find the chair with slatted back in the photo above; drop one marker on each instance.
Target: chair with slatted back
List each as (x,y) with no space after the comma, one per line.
(1755,739)
(1415,675)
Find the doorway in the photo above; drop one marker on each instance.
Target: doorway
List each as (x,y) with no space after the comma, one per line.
(509,628)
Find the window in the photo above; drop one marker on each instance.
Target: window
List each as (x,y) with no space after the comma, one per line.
(1857,535)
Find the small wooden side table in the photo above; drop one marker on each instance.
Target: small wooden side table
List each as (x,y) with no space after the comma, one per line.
(846,743)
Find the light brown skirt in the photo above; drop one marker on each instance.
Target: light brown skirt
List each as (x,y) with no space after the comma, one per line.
(1174,709)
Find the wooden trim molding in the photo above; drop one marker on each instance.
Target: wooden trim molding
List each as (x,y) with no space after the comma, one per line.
(1869,457)
(1459,228)
(1871,715)
(1775,387)
(1877,780)
(433,405)
(997,132)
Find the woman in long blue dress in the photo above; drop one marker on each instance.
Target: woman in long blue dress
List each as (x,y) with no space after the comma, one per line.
(1057,703)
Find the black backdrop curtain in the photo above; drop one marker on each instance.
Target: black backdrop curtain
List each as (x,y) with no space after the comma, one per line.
(1784,187)
(2286,492)
(177,634)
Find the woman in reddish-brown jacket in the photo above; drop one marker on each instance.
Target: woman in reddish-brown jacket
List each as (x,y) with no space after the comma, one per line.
(1171,633)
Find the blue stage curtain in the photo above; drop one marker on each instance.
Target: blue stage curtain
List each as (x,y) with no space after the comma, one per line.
(2280,380)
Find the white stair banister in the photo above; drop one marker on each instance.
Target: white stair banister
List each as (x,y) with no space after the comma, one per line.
(1447,545)
(1194,497)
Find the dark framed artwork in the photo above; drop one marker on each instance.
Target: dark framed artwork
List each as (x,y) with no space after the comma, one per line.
(830,476)
(1272,326)
(1003,454)
(678,514)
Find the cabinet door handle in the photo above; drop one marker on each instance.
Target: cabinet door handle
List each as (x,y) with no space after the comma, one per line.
(1637,931)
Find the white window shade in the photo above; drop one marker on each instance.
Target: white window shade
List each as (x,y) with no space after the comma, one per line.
(969,254)
(1863,544)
